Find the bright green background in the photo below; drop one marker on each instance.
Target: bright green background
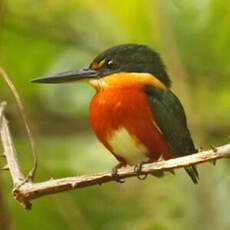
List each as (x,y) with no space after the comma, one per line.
(48,36)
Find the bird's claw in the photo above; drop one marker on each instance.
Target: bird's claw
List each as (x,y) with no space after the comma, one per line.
(138,170)
(115,175)
(142,177)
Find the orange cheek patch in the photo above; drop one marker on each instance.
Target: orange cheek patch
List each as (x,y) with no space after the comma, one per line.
(96,65)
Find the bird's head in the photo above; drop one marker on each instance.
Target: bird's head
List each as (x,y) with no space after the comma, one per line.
(126,58)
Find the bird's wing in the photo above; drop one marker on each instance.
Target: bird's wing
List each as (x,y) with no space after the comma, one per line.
(170,117)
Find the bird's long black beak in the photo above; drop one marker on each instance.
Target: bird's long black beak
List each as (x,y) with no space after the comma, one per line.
(70,76)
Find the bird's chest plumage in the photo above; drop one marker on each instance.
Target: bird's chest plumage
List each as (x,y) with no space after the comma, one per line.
(122,119)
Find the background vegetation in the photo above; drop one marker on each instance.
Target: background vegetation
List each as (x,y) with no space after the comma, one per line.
(49,36)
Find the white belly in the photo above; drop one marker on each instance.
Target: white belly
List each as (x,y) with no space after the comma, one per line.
(127,146)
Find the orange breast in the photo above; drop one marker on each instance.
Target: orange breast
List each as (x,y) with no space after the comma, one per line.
(127,108)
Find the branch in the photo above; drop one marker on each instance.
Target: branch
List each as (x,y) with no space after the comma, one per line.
(25,190)
(34,190)
(9,150)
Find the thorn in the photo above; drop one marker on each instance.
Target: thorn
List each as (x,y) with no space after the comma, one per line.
(3,155)
(74,185)
(51,178)
(171,171)
(214,149)
(161,158)
(201,149)
(6,167)
(213,162)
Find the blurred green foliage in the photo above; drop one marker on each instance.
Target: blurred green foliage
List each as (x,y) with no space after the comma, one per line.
(48,36)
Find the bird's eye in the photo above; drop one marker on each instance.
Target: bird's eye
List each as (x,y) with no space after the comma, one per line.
(110,64)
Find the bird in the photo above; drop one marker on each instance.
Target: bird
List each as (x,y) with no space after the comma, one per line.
(134,113)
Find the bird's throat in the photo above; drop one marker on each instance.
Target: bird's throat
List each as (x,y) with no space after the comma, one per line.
(124,80)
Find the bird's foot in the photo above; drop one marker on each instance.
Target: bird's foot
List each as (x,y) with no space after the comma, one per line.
(115,175)
(138,170)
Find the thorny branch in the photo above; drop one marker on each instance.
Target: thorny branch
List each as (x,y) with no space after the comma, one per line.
(24,190)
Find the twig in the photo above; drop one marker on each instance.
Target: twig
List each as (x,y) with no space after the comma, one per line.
(26,121)
(24,190)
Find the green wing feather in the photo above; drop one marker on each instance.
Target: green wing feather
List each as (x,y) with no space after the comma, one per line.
(171,119)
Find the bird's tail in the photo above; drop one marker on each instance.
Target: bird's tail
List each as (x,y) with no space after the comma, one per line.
(193,173)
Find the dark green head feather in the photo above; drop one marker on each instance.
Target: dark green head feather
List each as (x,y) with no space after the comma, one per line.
(132,58)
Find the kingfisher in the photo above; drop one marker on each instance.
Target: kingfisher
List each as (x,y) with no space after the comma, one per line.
(134,113)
